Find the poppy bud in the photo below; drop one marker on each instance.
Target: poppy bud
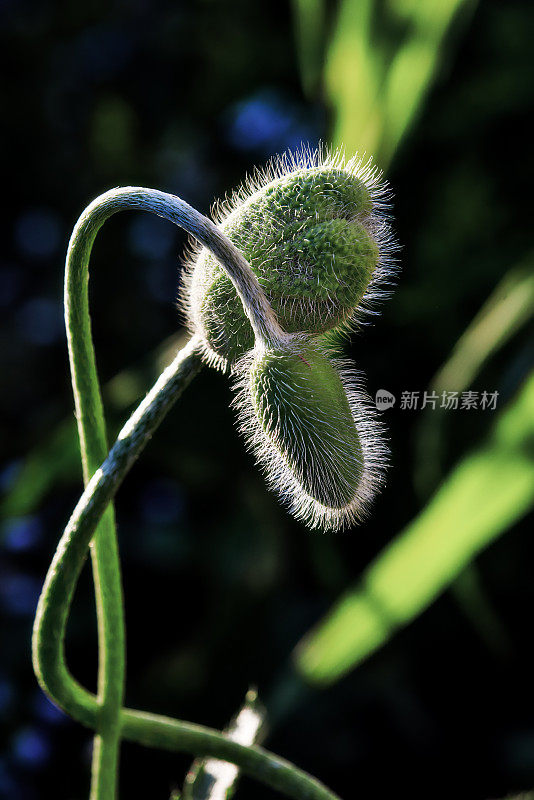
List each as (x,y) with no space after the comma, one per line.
(314,232)
(304,416)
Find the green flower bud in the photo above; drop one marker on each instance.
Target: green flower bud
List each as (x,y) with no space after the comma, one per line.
(314,232)
(306,419)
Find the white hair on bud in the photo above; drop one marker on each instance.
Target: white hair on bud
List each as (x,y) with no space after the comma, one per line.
(278,473)
(376,223)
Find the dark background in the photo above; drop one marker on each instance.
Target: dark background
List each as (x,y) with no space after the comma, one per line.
(220,584)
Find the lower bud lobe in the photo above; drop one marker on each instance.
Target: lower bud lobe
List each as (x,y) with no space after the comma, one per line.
(304,414)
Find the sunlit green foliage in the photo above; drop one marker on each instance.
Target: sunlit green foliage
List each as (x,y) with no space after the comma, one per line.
(377,80)
(488,490)
(376,77)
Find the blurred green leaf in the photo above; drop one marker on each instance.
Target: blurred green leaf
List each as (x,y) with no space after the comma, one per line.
(485,494)
(211,779)
(47,465)
(510,306)
(413,69)
(525,796)
(378,86)
(310,34)
(353,74)
(56,459)
(470,594)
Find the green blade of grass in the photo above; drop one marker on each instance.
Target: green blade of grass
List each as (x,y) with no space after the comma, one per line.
(352,79)
(377,86)
(310,23)
(507,310)
(56,459)
(509,307)
(485,494)
(414,67)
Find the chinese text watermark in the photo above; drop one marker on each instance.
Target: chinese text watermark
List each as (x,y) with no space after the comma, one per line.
(449,401)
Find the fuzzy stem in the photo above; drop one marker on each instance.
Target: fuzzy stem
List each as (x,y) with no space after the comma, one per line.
(56,597)
(149,729)
(93,517)
(154,730)
(93,444)
(257,308)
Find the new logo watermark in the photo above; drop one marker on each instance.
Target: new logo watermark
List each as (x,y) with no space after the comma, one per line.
(384,400)
(449,401)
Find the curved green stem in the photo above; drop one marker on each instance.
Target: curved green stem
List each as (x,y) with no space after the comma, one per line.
(148,729)
(256,305)
(56,597)
(92,522)
(93,444)
(153,730)
(111,658)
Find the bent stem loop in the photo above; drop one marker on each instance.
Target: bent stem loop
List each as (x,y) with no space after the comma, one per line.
(257,308)
(149,729)
(92,433)
(93,516)
(54,603)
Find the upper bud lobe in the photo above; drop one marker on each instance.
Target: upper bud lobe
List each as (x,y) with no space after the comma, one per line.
(313,235)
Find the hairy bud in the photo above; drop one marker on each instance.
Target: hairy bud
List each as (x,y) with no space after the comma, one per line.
(307,421)
(314,233)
